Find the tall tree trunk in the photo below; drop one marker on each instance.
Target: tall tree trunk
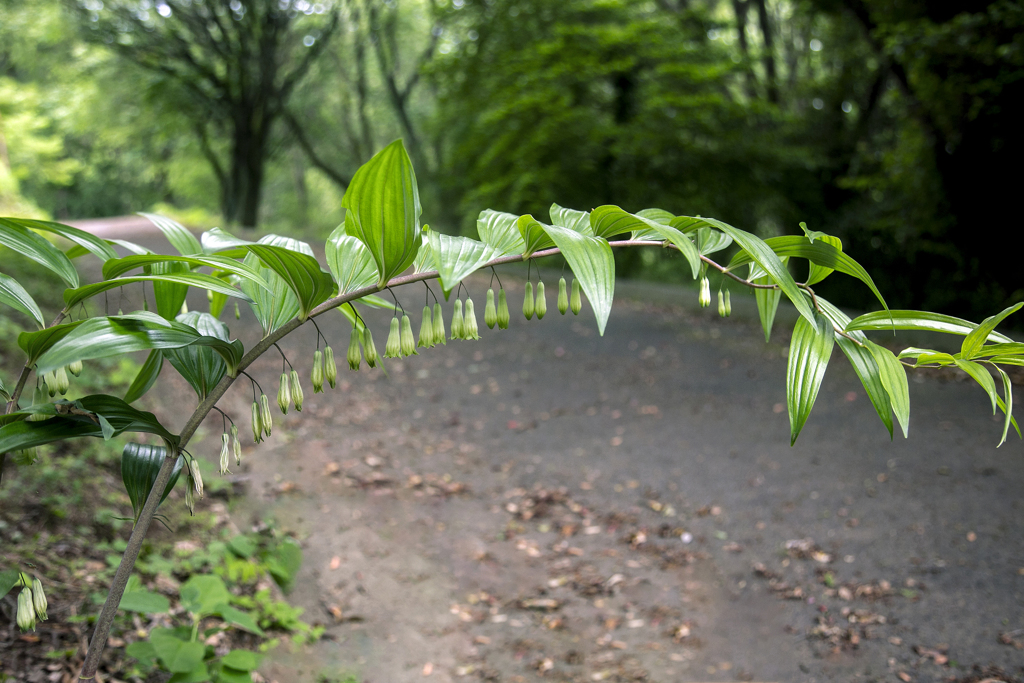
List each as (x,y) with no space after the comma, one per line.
(740,8)
(769,51)
(245,177)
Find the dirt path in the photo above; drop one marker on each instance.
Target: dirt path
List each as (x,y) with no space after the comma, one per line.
(545,504)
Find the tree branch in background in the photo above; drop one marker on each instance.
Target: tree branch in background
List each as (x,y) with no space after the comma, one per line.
(337,176)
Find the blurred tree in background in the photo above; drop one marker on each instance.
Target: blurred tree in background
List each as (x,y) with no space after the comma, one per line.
(894,125)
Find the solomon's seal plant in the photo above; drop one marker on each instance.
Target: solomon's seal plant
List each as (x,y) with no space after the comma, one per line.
(381,245)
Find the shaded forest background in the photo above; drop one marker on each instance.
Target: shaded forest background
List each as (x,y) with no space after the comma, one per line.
(895,125)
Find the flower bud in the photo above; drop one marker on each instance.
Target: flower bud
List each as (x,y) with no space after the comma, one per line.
(190,493)
(728,304)
(257,423)
(426,330)
(369,348)
(236,446)
(457,320)
(330,367)
(490,311)
(50,380)
(469,328)
(75,368)
(721,303)
(316,375)
(393,349)
(26,611)
(503,316)
(238,314)
(353,356)
(209,295)
(541,307)
(39,397)
(39,599)
(408,342)
(284,394)
(197,476)
(563,297)
(576,300)
(63,383)
(266,419)
(297,395)
(528,301)
(225,444)
(440,336)
(705,292)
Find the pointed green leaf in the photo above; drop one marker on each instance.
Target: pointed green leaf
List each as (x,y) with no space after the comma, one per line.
(819,252)
(809,353)
(78,418)
(243,660)
(177,234)
(918,320)
(866,368)
(8,579)
(78,250)
(299,271)
(383,210)
(15,296)
(571,219)
(190,279)
(145,602)
(976,339)
(177,656)
(201,366)
(424,261)
(81,238)
(500,231)
(119,266)
(608,221)
(710,241)
(18,238)
(767,304)
(894,379)
(980,375)
(146,377)
(816,273)
(591,261)
(350,261)
(611,221)
(237,617)
(533,234)
(457,257)
(763,256)
(202,593)
(1007,404)
(217,240)
(168,295)
(35,343)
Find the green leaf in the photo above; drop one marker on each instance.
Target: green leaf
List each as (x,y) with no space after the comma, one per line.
(178,656)
(383,210)
(243,546)
(609,220)
(351,263)
(767,304)
(763,256)
(169,296)
(143,651)
(710,241)
(571,219)
(82,239)
(217,240)
(191,279)
(228,675)
(199,674)
(200,365)
(118,266)
(104,337)
(146,376)
(918,320)
(284,563)
(809,353)
(15,296)
(591,261)
(146,602)
(980,375)
(203,593)
(17,237)
(74,419)
(8,579)
(500,231)
(78,250)
(976,339)
(863,364)
(534,236)
(819,252)
(424,261)
(816,273)
(1008,407)
(239,618)
(894,379)
(457,257)
(299,271)
(243,660)
(177,234)
(140,465)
